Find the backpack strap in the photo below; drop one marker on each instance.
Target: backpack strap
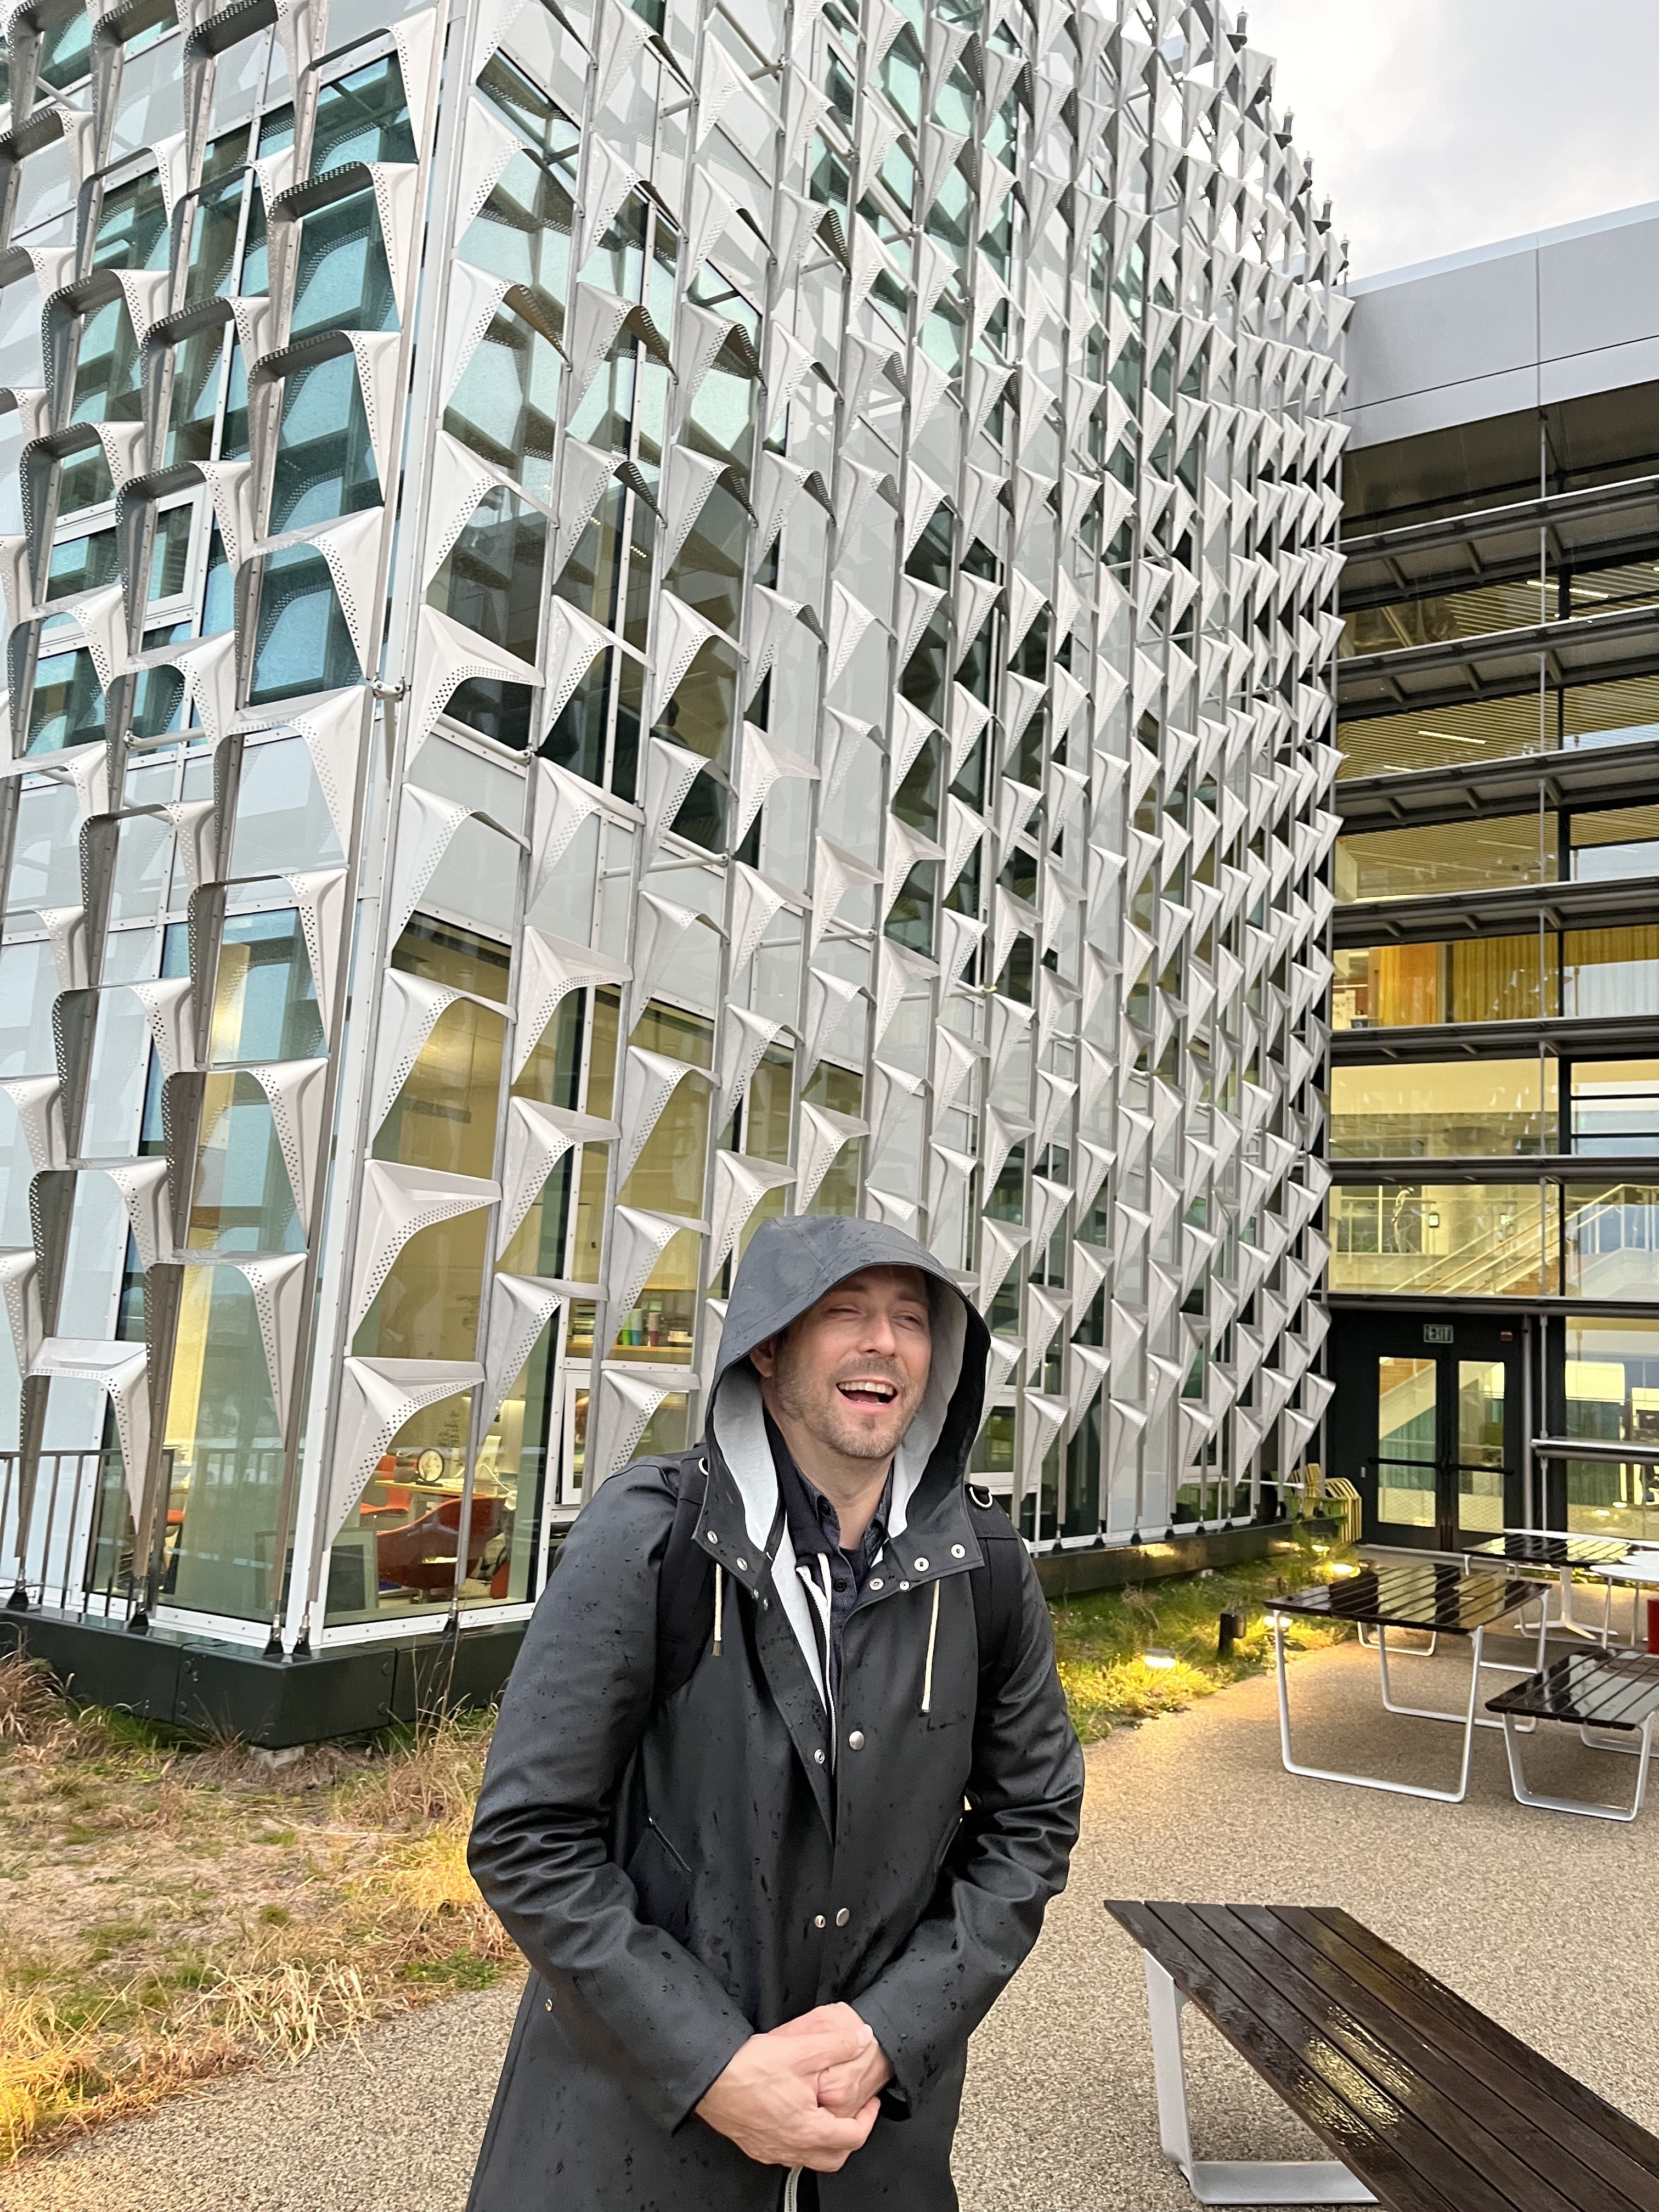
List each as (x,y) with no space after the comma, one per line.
(685,1581)
(999,1593)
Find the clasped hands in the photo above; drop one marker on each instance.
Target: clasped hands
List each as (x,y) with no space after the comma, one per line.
(805,2094)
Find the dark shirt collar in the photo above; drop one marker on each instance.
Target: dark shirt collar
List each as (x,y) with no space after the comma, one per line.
(812,1519)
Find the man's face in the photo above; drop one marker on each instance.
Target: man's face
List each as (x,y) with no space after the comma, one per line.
(853,1370)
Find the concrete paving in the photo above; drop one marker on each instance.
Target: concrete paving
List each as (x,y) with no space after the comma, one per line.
(1546,1922)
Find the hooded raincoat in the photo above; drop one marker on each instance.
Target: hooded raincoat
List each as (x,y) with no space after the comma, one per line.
(682,1872)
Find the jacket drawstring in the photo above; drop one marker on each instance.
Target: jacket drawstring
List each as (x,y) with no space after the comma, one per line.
(932,1637)
(792,2189)
(821,1594)
(719,1593)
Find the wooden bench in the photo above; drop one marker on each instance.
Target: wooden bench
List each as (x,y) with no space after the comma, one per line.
(1428,2106)
(1613,1691)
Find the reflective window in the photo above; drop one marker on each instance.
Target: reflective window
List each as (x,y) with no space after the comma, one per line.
(1623,841)
(1615,1106)
(325,461)
(303,643)
(243,1201)
(1444,1110)
(344,281)
(1447,856)
(1611,1241)
(265,1000)
(132,229)
(1625,712)
(362,117)
(224,1434)
(1467,1240)
(1612,1396)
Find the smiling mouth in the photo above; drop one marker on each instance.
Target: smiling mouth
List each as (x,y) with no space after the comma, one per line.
(868,1390)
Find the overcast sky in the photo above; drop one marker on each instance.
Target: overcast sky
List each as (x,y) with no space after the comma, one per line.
(1439,124)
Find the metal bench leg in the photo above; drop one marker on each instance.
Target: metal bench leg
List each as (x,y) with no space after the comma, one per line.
(1436,1712)
(1226,2181)
(1524,1796)
(1372,1781)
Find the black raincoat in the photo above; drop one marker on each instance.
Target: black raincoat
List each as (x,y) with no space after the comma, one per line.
(682,1873)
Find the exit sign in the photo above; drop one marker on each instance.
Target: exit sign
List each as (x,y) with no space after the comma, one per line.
(1437,1332)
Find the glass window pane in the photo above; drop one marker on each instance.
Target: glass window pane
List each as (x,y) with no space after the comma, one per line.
(1615,842)
(1444,1110)
(1612,1385)
(265,1003)
(362,117)
(398,1551)
(303,643)
(1449,856)
(445,1115)
(1612,1236)
(227,1465)
(325,461)
(1468,1239)
(1406,1415)
(1615,1106)
(1610,971)
(343,281)
(243,1200)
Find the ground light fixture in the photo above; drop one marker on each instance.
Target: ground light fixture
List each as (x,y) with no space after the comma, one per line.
(1158,1657)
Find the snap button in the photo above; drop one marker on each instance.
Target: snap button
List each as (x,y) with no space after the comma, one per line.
(843,1917)
(712,1538)
(959,1551)
(743,1566)
(875,1582)
(922,1566)
(817,1760)
(818,1920)
(904,1586)
(550,2004)
(855,1741)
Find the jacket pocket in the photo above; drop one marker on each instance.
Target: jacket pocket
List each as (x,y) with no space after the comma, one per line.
(663,1882)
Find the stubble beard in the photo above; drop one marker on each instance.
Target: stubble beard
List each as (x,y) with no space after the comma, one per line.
(825,1417)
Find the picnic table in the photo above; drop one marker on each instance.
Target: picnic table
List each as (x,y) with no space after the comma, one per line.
(1608,1692)
(1427,2104)
(1559,1552)
(1425,1595)
(1640,1571)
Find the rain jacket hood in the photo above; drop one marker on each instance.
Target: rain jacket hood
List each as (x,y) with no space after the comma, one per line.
(788,1267)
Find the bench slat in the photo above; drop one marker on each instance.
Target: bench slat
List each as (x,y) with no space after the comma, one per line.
(1350,1944)
(1588,1689)
(1322,2043)
(1460,2078)
(1350,2133)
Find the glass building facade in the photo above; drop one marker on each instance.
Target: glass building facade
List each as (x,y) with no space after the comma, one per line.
(623,620)
(1494,1079)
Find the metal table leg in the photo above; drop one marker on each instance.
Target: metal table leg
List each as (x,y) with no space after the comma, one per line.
(1434,1713)
(1370,1781)
(1230,2181)
(1524,1796)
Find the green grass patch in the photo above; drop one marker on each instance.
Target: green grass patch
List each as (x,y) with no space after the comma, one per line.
(1101,1640)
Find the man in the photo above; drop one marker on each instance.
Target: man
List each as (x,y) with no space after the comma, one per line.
(767,1894)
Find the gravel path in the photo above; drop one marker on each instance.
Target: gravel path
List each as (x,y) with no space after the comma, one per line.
(1504,1904)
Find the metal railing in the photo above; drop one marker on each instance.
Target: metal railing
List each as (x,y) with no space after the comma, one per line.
(68,1541)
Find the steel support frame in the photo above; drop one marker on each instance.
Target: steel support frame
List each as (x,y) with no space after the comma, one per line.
(1226,2181)
(1373,1781)
(1642,1752)
(1489,1666)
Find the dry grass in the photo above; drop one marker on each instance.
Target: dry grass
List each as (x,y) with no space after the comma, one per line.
(169,1908)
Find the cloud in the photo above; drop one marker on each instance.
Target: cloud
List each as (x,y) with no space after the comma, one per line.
(1435,125)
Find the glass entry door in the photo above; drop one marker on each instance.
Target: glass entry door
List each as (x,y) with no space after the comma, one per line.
(1444,1424)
